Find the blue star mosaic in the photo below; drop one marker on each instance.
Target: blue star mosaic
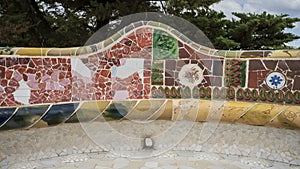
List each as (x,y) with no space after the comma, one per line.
(275,80)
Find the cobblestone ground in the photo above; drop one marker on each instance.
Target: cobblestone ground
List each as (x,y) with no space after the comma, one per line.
(231,146)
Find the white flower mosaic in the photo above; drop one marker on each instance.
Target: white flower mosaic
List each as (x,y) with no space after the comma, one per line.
(275,80)
(190,75)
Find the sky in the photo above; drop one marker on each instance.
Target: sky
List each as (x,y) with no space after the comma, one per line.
(290,7)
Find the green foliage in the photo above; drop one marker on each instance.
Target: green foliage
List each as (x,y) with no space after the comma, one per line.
(248,31)
(261,31)
(60,23)
(21,23)
(65,23)
(214,26)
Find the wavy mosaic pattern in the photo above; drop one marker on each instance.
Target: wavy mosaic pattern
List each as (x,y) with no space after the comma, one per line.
(146,61)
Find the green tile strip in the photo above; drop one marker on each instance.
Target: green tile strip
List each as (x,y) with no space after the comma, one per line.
(165,46)
(235,73)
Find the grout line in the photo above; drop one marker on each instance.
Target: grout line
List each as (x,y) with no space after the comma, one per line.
(78,107)
(285,107)
(13,114)
(109,103)
(246,73)
(246,111)
(164,104)
(50,106)
(132,109)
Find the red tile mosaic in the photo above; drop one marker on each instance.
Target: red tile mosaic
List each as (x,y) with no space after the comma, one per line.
(51,79)
(136,45)
(39,74)
(259,69)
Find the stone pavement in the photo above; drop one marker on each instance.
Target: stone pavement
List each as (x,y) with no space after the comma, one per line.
(77,145)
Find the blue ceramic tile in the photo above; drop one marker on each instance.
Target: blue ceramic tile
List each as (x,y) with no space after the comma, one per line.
(59,113)
(84,116)
(25,117)
(117,110)
(5,113)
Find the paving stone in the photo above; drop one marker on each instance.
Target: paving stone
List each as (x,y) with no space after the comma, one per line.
(230,145)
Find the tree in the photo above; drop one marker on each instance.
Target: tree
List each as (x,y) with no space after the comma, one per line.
(60,23)
(22,22)
(214,26)
(248,31)
(66,23)
(261,31)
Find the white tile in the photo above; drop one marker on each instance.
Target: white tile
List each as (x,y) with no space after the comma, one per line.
(22,94)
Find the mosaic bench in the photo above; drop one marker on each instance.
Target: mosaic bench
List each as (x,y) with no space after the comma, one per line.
(147,71)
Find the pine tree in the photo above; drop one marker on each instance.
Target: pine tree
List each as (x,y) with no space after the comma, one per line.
(261,31)
(65,23)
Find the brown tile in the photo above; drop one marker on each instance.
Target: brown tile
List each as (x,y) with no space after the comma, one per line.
(169,73)
(201,66)
(296,85)
(195,62)
(25,77)
(180,63)
(270,64)
(256,65)
(292,74)
(3,82)
(189,49)
(147,73)
(252,83)
(261,75)
(24,60)
(8,74)
(188,61)
(207,63)
(2,72)
(2,61)
(11,62)
(282,65)
(170,64)
(180,44)
(293,64)
(183,53)
(206,72)
(147,80)
(9,89)
(169,81)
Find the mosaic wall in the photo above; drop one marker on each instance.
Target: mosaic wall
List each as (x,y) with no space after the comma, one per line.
(145,60)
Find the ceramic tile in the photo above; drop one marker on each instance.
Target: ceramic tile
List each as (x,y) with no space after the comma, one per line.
(145,110)
(117,110)
(59,113)
(164,46)
(234,110)
(88,111)
(260,114)
(289,118)
(5,114)
(25,117)
(143,62)
(236,73)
